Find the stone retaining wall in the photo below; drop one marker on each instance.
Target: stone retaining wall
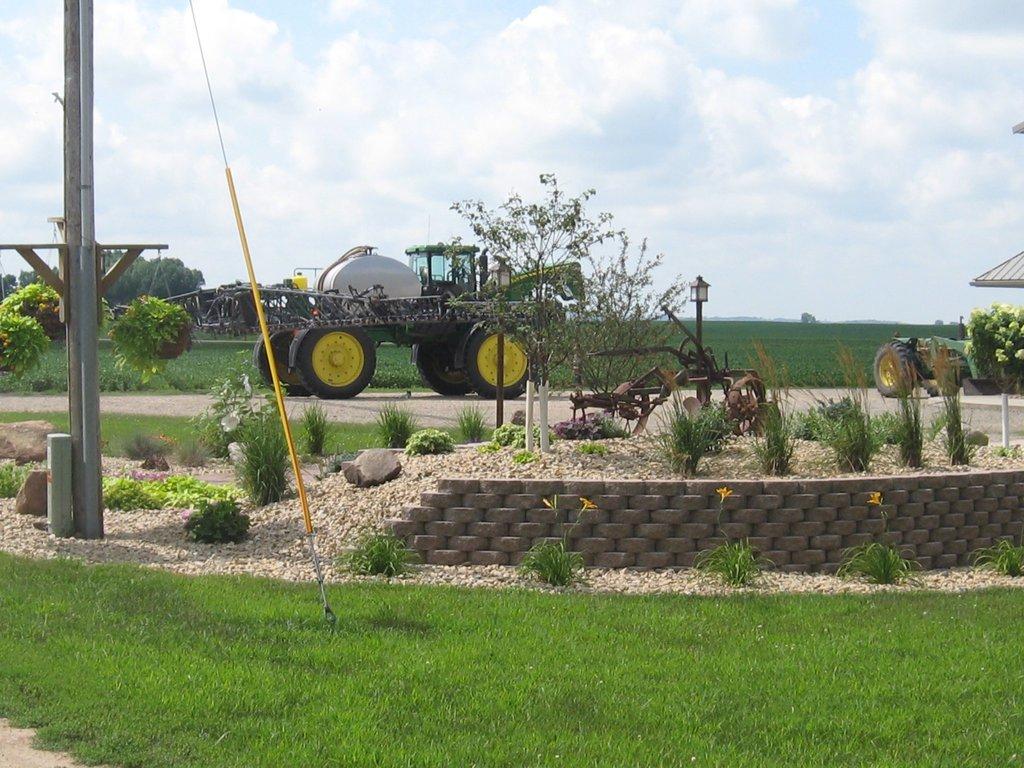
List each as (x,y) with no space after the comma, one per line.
(801,525)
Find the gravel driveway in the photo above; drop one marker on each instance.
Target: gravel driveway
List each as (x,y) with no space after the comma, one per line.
(434,410)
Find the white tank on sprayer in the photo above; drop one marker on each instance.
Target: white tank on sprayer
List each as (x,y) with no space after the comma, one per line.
(360,269)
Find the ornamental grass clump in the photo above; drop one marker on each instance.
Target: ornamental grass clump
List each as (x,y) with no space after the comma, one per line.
(735,563)
(472,427)
(429,442)
(143,447)
(217,522)
(877,563)
(379,554)
(263,469)
(314,429)
(689,437)
(851,434)
(1004,557)
(149,333)
(947,376)
(908,429)
(394,426)
(775,441)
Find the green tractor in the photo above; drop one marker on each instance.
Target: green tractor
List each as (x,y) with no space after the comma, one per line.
(325,339)
(917,355)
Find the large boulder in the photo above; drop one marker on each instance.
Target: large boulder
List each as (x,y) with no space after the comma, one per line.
(24,441)
(373,467)
(32,496)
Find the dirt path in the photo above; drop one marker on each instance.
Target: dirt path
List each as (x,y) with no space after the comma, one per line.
(435,411)
(16,751)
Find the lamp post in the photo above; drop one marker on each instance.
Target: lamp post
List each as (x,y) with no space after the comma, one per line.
(500,279)
(698,295)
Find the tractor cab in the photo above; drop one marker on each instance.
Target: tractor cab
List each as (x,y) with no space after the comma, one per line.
(444,269)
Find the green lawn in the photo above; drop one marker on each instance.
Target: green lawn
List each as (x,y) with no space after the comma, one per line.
(116,429)
(137,668)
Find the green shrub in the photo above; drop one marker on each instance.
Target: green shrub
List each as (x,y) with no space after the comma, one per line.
(736,563)
(472,427)
(525,457)
(878,563)
(491,447)
(775,444)
(314,429)
(553,563)
(592,449)
(12,477)
(1004,557)
(686,438)
(264,465)
(996,342)
(192,453)
(22,343)
(126,494)
(394,426)
(513,436)
(381,554)
(140,447)
(215,522)
(429,441)
(234,401)
(146,326)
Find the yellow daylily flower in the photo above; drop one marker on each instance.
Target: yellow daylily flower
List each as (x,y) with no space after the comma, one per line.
(586,503)
(548,504)
(723,493)
(875,498)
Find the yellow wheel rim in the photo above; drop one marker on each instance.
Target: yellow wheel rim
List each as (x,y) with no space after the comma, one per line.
(888,371)
(338,358)
(487,361)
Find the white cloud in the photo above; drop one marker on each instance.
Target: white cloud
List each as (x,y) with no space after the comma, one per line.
(902,174)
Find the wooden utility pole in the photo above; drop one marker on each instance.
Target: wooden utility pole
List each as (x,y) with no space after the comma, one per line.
(79,270)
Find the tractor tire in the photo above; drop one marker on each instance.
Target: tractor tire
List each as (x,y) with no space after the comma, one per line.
(482,366)
(887,374)
(436,363)
(335,363)
(290,381)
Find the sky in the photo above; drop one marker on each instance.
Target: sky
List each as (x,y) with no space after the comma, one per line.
(847,159)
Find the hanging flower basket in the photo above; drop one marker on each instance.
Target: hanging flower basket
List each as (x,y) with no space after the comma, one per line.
(171,350)
(150,332)
(41,302)
(22,343)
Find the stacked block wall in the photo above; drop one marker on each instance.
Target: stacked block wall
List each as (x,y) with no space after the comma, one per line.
(801,525)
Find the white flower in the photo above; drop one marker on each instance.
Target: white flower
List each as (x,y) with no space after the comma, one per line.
(230,422)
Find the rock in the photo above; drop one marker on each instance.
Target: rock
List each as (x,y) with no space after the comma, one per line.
(976,437)
(373,467)
(24,441)
(519,417)
(156,464)
(235,453)
(32,496)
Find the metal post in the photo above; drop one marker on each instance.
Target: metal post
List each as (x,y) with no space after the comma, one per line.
(1005,404)
(529,412)
(58,485)
(87,299)
(700,321)
(499,400)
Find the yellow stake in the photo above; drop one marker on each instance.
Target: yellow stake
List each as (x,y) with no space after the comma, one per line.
(296,467)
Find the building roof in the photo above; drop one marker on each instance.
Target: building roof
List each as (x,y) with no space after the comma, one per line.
(1009,274)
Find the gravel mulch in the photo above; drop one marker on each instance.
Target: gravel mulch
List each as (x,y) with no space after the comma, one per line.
(277,547)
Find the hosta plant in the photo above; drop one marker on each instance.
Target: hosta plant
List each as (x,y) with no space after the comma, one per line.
(22,343)
(428,442)
(148,333)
